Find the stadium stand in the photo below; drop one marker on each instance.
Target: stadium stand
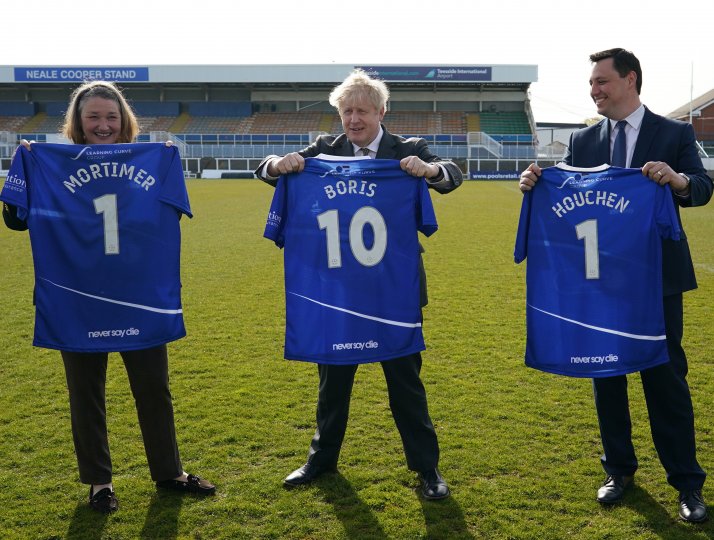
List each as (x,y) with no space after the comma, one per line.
(229,117)
(155,123)
(285,122)
(12,123)
(42,123)
(502,123)
(209,124)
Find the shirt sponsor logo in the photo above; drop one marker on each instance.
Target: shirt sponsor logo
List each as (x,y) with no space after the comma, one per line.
(98,334)
(274,219)
(90,153)
(355,346)
(15,183)
(607,359)
(344,170)
(584,180)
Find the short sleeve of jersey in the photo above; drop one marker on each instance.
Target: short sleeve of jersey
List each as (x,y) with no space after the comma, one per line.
(14,190)
(666,214)
(173,190)
(274,223)
(521,250)
(426,216)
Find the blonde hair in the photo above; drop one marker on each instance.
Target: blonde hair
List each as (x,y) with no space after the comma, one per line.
(357,86)
(72,128)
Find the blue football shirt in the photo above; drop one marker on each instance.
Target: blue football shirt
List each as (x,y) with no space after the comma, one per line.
(351,257)
(593,238)
(104,229)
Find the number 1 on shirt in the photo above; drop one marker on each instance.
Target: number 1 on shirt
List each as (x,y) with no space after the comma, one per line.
(107,205)
(587,230)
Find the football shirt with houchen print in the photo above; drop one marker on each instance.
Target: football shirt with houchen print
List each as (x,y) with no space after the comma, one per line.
(593,239)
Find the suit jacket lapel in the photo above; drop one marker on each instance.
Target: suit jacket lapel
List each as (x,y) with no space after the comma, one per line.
(387,146)
(648,130)
(602,144)
(342,146)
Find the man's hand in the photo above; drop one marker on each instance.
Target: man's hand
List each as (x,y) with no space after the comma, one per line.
(416,167)
(289,163)
(529,177)
(660,172)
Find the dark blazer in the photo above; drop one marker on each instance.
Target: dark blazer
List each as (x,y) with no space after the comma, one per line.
(390,147)
(660,139)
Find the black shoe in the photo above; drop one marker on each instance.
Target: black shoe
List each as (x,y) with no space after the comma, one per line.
(692,507)
(305,474)
(433,485)
(613,488)
(193,484)
(104,501)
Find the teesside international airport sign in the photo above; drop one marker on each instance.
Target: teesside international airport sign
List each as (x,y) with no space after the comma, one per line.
(81,74)
(428,73)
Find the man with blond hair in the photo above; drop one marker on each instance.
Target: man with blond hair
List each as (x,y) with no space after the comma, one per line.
(361,102)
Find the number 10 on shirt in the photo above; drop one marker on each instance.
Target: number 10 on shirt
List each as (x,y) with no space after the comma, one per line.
(367,215)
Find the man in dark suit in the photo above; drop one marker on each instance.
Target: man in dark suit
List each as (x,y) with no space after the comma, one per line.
(665,150)
(361,103)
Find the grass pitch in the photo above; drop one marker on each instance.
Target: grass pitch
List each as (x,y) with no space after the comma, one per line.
(519,448)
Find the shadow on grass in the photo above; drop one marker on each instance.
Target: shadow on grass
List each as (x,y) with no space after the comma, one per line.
(86,524)
(356,516)
(162,517)
(444,519)
(664,521)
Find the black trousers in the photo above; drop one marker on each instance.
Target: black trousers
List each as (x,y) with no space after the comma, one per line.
(149,380)
(669,405)
(407,401)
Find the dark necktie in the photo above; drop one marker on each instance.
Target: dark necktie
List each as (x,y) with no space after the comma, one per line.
(365,151)
(619,150)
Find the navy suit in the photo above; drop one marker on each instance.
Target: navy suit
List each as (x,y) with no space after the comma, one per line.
(666,391)
(407,397)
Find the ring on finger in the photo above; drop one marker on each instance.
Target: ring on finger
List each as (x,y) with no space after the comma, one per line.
(660,173)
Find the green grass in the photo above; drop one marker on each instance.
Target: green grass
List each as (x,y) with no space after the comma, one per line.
(519,448)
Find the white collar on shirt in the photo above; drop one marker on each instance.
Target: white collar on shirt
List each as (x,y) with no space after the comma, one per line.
(632,130)
(373,146)
(633,121)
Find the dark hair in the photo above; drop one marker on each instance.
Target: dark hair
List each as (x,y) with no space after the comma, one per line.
(623,61)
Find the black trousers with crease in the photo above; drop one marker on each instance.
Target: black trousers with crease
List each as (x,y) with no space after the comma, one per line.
(407,401)
(149,380)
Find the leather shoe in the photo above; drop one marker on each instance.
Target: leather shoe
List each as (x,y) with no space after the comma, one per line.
(104,501)
(192,484)
(613,489)
(305,474)
(692,507)
(433,485)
